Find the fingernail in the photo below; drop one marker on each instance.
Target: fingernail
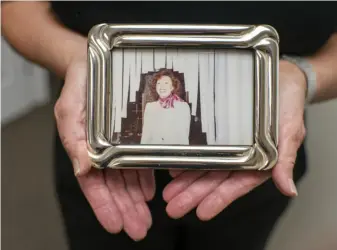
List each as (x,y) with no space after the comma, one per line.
(293,187)
(76,166)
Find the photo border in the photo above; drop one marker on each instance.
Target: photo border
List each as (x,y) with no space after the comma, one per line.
(262,155)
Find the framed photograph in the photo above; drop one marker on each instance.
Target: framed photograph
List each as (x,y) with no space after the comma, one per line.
(183,96)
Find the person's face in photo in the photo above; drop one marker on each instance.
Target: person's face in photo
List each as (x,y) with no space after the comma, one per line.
(164,86)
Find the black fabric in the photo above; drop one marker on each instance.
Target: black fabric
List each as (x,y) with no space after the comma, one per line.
(303,28)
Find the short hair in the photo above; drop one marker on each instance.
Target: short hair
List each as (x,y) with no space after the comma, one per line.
(165,72)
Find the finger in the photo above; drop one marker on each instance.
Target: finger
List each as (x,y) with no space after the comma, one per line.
(81,161)
(70,113)
(283,171)
(147,183)
(133,188)
(99,198)
(144,213)
(133,224)
(237,185)
(189,198)
(180,183)
(132,185)
(175,172)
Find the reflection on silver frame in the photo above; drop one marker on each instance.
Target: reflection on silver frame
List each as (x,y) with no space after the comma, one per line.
(262,39)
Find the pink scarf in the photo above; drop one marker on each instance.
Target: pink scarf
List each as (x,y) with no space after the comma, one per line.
(168,102)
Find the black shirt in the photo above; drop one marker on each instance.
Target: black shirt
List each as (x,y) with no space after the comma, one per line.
(303,27)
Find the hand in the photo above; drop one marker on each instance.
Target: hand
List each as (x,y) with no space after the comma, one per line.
(118,198)
(213,191)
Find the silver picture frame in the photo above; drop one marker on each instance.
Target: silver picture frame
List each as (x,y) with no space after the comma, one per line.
(262,40)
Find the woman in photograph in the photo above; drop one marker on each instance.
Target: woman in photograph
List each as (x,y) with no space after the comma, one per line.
(166,120)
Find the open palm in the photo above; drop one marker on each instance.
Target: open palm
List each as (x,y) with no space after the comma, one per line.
(212,191)
(117,197)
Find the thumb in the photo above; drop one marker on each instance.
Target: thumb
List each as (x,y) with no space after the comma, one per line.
(70,114)
(80,159)
(283,171)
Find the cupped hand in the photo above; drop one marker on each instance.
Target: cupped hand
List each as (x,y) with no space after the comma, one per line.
(118,198)
(212,191)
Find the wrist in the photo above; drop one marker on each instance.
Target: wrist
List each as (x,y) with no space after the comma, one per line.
(303,71)
(294,73)
(76,51)
(74,48)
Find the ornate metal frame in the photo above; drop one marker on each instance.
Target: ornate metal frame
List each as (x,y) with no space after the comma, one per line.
(263,39)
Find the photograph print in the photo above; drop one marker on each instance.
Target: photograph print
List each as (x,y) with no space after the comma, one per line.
(182,97)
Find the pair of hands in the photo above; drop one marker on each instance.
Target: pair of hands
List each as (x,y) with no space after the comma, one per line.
(119,197)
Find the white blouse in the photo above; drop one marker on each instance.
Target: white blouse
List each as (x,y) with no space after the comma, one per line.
(166,126)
